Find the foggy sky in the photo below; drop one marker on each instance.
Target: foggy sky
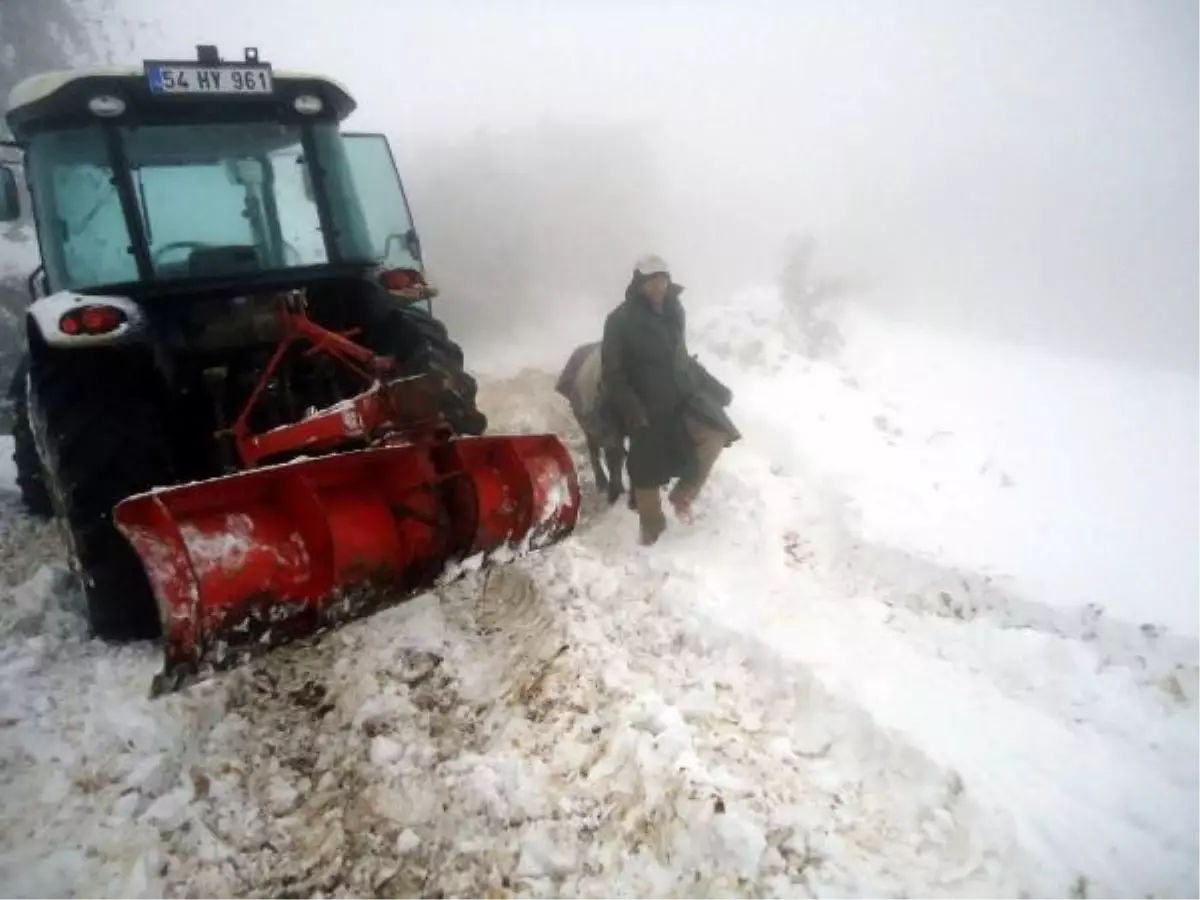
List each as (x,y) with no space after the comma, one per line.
(1024,168)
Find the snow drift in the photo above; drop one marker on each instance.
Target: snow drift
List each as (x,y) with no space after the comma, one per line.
(842,679)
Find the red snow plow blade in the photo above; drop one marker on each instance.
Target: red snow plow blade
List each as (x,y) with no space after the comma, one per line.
(247,562)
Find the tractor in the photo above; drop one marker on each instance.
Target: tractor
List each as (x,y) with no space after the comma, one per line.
(236,400)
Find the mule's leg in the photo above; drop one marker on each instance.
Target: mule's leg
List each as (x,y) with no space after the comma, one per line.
(614,459)
(621,460)
(602,480)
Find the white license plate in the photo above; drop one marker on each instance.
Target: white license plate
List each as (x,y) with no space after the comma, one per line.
(164,79)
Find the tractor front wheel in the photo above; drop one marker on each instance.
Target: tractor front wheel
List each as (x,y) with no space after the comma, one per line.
(99,431)
(421,345)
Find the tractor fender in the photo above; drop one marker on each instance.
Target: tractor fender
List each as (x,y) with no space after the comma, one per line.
(46,313)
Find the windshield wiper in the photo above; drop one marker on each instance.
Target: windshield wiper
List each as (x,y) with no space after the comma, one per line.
(92,213)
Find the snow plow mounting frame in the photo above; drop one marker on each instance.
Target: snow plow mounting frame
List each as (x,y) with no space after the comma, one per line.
(390,408)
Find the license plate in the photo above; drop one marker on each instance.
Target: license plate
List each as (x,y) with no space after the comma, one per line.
(193,79)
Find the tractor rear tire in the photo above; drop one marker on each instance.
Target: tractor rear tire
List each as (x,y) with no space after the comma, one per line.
(101,431)
(30,481)
(421,345)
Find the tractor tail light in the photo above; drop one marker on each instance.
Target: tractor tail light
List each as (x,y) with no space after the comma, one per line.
(400,279)
(94,319)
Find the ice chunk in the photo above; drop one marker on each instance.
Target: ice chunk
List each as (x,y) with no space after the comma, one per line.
(170,810)
(407,842)
(384,750)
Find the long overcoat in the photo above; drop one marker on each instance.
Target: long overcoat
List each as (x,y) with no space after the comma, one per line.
(653,382)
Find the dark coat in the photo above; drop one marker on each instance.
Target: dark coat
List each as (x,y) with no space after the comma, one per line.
(653,382)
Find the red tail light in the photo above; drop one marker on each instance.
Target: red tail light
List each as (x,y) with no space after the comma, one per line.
(92,319)
(400,279)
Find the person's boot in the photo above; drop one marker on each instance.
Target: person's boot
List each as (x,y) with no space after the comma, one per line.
(683,510)
(681,502)
(651,521)
(651,533)
(709,444)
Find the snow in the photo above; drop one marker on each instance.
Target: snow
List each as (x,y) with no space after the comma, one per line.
(226,549)
(839,680)
(1073,479)
(18,253)
(8,471)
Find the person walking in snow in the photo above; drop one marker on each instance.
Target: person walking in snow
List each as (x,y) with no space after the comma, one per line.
(670,406)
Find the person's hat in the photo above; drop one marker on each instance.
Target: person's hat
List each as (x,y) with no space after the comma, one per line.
(651,264)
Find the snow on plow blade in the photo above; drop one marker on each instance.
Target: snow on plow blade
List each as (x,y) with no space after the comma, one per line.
(250,561)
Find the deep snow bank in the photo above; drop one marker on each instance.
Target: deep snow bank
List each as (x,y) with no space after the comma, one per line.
(1049,495)
(1071,480)
(1082,734)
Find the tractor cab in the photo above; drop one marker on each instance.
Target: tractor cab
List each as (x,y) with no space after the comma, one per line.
(190,175)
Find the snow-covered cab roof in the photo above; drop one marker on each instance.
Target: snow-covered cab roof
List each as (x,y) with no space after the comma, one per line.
(165,91)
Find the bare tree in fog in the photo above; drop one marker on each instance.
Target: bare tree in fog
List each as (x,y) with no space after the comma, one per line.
(38,35)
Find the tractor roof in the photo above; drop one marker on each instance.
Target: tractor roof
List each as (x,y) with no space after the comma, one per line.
(60,98)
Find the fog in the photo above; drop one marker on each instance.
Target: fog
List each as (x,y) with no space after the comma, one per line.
(1016,168)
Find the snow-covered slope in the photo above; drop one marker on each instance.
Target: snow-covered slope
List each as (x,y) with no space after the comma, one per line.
(788,697)
(1073,481)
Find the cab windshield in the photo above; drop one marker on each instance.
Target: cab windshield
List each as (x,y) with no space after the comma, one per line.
(213,200)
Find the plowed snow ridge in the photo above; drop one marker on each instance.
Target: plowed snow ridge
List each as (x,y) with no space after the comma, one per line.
(764,704)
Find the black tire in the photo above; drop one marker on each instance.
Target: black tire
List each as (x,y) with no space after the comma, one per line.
(421,345)
(30,482)
(103,436)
